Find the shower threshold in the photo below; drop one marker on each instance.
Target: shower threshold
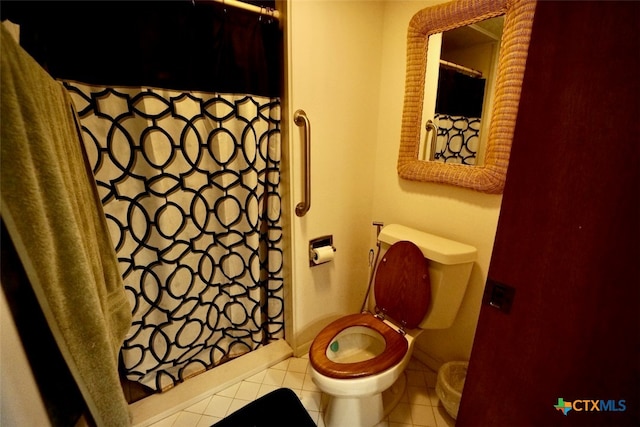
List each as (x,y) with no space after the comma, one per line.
(158,406)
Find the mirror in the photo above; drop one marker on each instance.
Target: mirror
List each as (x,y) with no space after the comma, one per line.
(462,64)
(487,173)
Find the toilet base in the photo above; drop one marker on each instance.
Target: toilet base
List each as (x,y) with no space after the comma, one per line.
(364,411)
(391,396)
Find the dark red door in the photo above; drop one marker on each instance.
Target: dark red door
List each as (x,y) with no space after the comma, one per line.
(568,236)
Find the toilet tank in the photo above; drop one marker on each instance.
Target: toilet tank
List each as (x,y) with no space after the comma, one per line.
(450,265)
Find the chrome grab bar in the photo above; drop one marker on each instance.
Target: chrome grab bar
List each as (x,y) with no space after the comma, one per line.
(434,138)
(300,118)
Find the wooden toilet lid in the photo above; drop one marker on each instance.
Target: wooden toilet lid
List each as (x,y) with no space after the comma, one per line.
(402,286)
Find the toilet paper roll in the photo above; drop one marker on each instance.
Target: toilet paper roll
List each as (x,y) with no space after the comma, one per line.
(322,254)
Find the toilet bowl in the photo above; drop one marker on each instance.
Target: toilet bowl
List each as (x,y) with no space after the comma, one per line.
(358,401)
(356,379)
(357,357)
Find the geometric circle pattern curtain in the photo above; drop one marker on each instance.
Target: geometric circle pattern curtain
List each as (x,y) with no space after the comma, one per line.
(189,183)
(458,139)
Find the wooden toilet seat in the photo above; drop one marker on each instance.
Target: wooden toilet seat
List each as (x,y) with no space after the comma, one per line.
(402,291)
(395,348)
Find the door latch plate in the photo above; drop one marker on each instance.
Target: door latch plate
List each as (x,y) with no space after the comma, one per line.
(498,295)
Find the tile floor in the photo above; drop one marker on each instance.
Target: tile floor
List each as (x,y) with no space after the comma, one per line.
(418,407)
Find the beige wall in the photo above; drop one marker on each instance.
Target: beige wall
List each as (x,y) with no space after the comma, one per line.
(20,400)
(347,67)
(333,75)
(456,213)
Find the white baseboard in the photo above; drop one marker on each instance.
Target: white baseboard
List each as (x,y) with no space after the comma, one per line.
(431,362)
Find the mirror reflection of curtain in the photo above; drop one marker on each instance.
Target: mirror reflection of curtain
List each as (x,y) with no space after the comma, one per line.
(180,111)
(458,116)
(458,139)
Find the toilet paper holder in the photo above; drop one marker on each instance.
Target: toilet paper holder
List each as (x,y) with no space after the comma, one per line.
(319,242)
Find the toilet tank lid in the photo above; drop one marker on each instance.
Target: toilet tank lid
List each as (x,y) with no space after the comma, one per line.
(436,248)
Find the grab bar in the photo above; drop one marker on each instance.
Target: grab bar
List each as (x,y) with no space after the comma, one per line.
(300,118)
(434,138)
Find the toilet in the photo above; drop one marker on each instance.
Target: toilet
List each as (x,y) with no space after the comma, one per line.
(419,284)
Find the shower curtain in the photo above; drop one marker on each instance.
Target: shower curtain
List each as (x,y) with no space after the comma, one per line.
(180,114)
(189,184)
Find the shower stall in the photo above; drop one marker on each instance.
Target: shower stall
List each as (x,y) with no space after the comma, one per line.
(179,108)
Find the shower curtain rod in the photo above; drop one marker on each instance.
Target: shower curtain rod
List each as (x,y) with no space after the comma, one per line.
(469,71)
(267,11)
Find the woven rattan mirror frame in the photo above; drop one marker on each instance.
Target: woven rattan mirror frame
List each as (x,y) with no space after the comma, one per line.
(491,175)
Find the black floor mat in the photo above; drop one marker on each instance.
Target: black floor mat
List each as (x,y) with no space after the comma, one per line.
(280,408)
